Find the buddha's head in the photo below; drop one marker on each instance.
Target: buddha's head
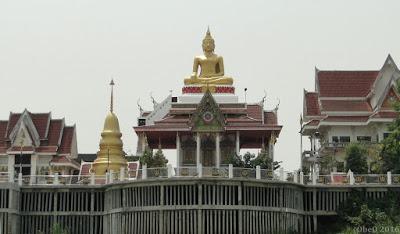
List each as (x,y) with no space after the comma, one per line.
(208,42)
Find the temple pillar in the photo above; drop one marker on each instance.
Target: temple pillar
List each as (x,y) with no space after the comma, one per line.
(198,145)
(11,163)
(217,150)
(34,158)
(237,143)
(178,150)
(271,147)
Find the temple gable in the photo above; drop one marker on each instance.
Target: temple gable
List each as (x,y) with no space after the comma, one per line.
(208,116)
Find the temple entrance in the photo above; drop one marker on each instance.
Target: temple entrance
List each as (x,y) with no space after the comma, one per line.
(208,150)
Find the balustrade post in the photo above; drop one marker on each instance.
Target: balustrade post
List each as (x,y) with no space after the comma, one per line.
(122,174)
(111,177)
(301,177)
(20,179)
(258,172)
(281,174)
(92,179)
(107,177)
(389,177)
(351,175)
(169,167)
(230,171)
(314,177)
(200,170)
(11,176)
(56,180)
(144,171)
(295,176)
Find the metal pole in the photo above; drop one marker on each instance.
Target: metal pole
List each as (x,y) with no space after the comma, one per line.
(20,159)
(108,159)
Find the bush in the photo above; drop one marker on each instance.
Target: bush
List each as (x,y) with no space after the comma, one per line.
(356,159)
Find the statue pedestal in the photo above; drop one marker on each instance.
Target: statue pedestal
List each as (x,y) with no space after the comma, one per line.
(221,93)
(215,89)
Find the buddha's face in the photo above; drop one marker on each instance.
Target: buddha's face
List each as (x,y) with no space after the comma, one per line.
(208,45)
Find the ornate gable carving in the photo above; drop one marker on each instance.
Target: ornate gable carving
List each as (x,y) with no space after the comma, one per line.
(208,116)
(390,98)
(25,124)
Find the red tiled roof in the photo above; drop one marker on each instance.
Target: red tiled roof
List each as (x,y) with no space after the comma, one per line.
(66,141)
(63,160)
(174,119)
(254,111)
(345,83)
(85,169)
(339,105)
(312,105)
(12,121)
(3,129)
(55,131)
(46,149)
(346,119)
(385,114)
(18,149)
(270,118)
(41,121)
(312,123)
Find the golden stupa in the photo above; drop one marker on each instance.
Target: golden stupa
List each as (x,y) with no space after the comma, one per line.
(110,157)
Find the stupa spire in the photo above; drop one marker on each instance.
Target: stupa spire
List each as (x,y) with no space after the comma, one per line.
(112,95)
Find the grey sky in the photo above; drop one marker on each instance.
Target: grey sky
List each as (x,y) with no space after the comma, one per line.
(59,55)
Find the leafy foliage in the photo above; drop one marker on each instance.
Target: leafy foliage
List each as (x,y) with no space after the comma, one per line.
(250,160)
(356,158)
(156,160)
(358,211)
(57,229)
(391,145)
(159,159)
(391,151)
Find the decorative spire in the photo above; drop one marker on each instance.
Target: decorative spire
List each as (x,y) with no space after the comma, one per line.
(112,95)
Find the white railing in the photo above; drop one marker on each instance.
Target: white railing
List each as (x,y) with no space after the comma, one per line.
(333,179)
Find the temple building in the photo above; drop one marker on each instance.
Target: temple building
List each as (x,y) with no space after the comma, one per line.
(207,124)
(347,106)
(37,144)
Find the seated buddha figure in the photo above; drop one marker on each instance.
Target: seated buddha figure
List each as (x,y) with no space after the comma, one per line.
(211,64)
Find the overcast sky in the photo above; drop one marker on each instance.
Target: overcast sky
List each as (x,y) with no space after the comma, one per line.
(59,56)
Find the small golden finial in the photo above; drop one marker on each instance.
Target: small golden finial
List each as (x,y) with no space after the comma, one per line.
(208,35)
(112,95)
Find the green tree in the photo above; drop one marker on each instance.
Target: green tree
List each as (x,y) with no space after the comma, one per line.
(356,158)
(156,160)
(247,160)
(360,211)
(147,157)
(236,161)
(391,150)
(159,159)
(263,160)
(391,145)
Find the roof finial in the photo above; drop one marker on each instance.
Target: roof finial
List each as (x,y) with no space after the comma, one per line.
(208,35)
(112,95)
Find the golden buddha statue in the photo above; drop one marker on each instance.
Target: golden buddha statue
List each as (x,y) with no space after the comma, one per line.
(211,64)
(110,157)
